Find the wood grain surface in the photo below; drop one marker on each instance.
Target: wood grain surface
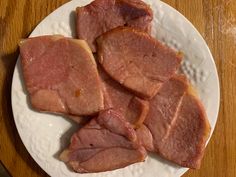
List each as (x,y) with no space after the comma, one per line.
(215,20)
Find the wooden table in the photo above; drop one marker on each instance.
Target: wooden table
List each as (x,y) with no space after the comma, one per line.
(216,21)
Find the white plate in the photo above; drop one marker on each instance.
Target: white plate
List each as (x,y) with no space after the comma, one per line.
(44,135)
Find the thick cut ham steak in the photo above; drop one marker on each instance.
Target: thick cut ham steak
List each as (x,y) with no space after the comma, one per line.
(164,107)
(103,15)
(61,75)
(136,60)
(178,123)
(106,143)
(185,142)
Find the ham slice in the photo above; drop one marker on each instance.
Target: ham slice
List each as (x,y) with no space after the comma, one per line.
(136,60)
(106,143)
(178,123)
(133,109)
(164,107)
(61,76)
(185,143)
(103,15)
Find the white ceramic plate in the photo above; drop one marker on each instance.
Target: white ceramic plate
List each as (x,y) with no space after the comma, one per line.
(45,135)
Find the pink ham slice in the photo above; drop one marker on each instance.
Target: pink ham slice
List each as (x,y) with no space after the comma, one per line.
(119,98)
(178,123)
(136,60)
(61,76)
(106,143)
(103,15)
(185,143)
(164,107)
